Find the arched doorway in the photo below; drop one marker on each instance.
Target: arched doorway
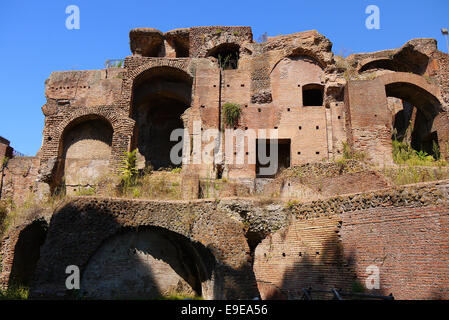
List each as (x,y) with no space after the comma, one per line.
(148,263)
(26,252)
(85,153)
(160,96)
(414,110)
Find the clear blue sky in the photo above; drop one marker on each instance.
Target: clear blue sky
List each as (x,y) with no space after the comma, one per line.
(35,41)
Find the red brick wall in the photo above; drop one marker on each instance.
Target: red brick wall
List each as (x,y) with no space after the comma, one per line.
(369,118)
(5,149)
(19,178)
(409,245)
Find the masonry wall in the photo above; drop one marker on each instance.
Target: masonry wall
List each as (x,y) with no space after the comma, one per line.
(85,88)
(78,230)
(409,246)
(5,149)
(332,243)
(19,179)
(256,85)
(145,264)
(369,126)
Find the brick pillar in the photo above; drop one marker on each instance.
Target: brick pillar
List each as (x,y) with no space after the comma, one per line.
(368,120)
(441,126)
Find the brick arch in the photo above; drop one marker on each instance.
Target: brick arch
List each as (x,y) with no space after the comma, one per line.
(214,43)
(364,62)
(171,261)
(122,127)
(414,79)
(180,64)
(20,251)
(299,52)
(82,114)
(414,89)
(80,227)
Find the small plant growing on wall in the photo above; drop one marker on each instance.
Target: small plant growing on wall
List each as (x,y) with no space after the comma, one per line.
(129,168)
(231,113)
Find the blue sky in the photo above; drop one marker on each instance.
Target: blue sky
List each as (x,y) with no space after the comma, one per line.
(35,41)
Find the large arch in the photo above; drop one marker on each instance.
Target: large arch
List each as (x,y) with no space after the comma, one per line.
(53,147)
(415,91)
(413,79)
(20,250)
(85,152)
(80,231)
(150,262)
(160,96)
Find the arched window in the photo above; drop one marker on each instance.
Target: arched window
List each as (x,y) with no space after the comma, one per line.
(86,149)
(160,96)
(227,55)
(312,95)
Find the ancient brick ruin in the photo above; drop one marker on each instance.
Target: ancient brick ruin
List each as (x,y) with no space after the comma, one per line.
(294,85)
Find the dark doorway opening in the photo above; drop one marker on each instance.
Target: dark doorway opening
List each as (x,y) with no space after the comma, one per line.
(160,98)
(227,55)
(312,95)
(277,162)
(414,111)
(27,253)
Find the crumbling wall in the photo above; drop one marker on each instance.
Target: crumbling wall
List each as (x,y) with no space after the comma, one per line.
(19,179)
(5,149)
(78,230)
(320,180)
(147,263)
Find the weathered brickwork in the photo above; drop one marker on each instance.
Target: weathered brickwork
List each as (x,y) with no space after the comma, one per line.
(81,226)
(19,179)
(320,107)
(271,81)
(20,251)
(5,149)
(408,245)
(403,234)
(325,243)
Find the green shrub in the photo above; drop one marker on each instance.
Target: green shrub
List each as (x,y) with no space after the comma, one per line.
(176,170)
(231,113)
(129,169)
(4,163)
(409,174)
(3,218)
(85,191)
(403,153)
(226,61)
